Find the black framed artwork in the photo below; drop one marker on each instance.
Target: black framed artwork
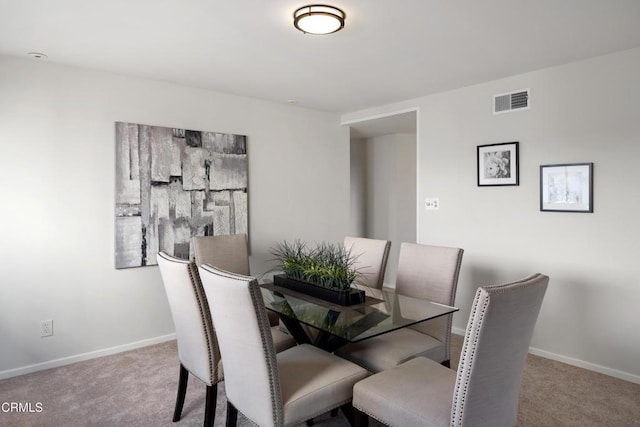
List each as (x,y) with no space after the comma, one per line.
(498,164)
(566,187)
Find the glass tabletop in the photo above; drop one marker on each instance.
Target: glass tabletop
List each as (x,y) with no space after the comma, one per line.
(386,312)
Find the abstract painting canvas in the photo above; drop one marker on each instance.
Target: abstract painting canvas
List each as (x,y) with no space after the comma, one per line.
(172,184)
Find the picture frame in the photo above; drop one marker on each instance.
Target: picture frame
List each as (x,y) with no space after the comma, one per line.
(566,187)
(173,184)
(498,164)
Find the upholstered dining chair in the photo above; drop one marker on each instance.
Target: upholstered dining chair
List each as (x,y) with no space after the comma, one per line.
(485,388)
(197,344)
(231,253)
(370,259)
(426,272)
(270,389)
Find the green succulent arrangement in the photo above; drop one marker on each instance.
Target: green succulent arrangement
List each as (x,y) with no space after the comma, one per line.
(327,265)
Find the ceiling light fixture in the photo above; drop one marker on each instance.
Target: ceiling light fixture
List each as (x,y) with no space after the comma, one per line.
(318,19)
(37,55)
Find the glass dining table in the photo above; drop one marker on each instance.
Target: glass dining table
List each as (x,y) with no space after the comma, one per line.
(334,325)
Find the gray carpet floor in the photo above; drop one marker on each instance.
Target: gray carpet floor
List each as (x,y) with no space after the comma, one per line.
(137,388)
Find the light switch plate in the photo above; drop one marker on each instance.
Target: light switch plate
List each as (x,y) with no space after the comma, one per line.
(432,203)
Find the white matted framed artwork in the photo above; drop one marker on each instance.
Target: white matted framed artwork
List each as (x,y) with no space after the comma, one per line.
(566,187)
(498,164)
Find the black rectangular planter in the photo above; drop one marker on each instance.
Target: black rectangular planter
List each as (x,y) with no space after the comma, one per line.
(350,297)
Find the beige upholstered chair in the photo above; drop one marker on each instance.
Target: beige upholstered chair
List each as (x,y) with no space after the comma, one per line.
(427,272)
(370,259)
(484,390)
(231,253)
(295,385)
(197,345)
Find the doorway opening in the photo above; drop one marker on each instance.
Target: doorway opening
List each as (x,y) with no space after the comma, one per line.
(383,162)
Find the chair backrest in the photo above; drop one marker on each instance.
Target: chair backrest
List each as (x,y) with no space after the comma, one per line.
(251,373)
(197,344)
(370,259)
(431,273)
(494,352)
(229,253)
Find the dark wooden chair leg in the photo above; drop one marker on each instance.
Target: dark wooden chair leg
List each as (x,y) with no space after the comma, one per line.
(182,391)
(210,405)
(360,418)
(232,415)
(347,410)
(447,364)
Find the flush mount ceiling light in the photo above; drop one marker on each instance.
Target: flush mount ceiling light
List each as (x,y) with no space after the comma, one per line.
(37,55)
(318,19)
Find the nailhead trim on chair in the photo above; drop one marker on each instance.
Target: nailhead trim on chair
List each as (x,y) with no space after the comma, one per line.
(205,315)
(471,342)
(272,366)
(468,350)
(443,332)
(267,347)
(373,416)
(269,351)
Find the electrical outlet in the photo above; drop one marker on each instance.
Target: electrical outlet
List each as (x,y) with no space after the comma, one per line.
(46,328)
(432,203)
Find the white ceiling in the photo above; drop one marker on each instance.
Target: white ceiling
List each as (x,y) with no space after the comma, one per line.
(389,51)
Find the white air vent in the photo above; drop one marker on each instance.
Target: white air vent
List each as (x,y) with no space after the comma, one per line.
(511,101)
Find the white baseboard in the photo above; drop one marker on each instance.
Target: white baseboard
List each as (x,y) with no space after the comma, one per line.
(458,331)
(586,365)
(84,356)
(575,362)
(157,340)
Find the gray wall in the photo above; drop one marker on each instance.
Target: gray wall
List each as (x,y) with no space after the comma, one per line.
(383,192)
(57,156)
(358,188)
(391,193)
(580,112)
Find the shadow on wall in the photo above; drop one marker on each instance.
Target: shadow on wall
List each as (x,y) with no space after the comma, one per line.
(472,276)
